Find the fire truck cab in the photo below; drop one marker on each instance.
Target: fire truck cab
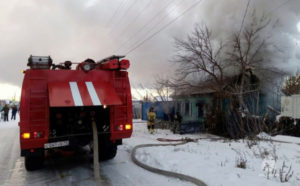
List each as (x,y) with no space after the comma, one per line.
(59,103)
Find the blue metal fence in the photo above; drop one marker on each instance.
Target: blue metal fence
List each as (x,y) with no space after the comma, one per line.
(158,108)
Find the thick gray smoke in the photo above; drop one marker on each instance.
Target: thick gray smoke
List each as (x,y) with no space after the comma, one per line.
(225,17)
(75,30)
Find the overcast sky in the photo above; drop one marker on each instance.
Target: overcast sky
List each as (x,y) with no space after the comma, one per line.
(76,30)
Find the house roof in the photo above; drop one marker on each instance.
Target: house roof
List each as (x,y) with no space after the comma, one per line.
(190,91)
(196,91)
(164,98)
(208,87)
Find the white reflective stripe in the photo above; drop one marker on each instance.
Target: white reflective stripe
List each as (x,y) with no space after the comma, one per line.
(93,93)
(76,94)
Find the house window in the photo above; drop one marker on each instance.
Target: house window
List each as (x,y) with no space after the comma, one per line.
(200,109)
(182,108)
(178,107)
(187,108)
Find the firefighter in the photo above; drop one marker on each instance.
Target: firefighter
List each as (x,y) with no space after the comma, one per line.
(5,109)
(177,122)
(151,120)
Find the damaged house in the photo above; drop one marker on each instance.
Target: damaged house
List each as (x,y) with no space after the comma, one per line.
(199,105)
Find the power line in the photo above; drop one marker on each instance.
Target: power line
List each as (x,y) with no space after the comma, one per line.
(137,16)
(124,15)
(245,13)
(145,25)
(281,5)
(276,8)
(115,13)
(124,5)
(164,27)
(160,21)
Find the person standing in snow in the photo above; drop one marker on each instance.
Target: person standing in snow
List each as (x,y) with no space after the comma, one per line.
(14,112)
(2,114)
(5,109)
(151,120)
(177,122)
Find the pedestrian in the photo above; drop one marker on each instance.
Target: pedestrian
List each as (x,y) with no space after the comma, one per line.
(151,120)
(14,112)
(177,122)
(5,109)
(2,114)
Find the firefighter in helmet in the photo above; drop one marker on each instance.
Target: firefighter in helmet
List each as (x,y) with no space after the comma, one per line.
(177,122)
(151,120)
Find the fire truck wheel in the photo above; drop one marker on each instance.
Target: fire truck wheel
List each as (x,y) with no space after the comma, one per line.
(107,149)
(33,162)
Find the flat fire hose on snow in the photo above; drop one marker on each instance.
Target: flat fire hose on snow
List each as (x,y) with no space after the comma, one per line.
(164,172)
(96,154)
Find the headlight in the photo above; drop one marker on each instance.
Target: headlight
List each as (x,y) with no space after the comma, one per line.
(87,67)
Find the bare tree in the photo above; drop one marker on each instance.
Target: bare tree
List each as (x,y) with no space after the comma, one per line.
(245,54)
(200,56)
(201,67)
(159,92)
(291,85)
(164,92)
(145,94)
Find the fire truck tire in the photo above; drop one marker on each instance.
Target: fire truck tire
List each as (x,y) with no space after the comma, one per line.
(33,162)
(107,149)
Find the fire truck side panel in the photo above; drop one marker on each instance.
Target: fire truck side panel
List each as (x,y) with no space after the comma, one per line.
(121,113)
(34,109)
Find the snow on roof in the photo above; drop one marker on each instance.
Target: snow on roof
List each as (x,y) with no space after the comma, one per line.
(158,98)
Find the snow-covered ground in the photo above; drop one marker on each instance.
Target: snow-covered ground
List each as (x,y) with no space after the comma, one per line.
(214,162)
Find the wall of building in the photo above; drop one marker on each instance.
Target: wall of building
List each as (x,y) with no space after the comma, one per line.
(192,113)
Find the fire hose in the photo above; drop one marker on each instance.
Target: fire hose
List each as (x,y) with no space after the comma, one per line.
(96,153)
(164,172)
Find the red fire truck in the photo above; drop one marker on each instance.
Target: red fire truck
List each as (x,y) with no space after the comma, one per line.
(58,104)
